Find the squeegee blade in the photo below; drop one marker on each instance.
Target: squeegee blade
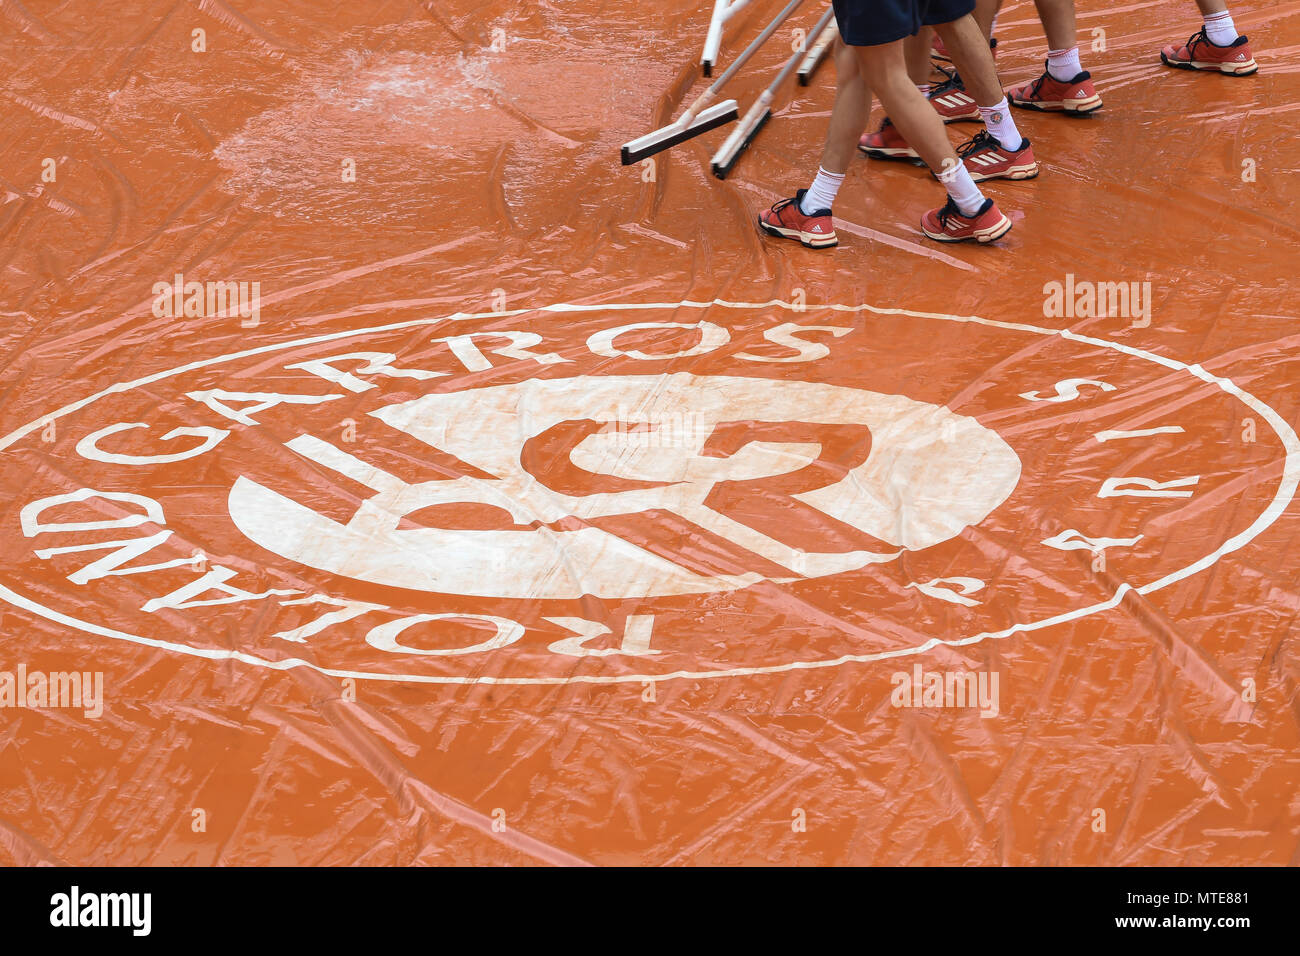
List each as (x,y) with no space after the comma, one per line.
(717,115)
(806,71)
(725,161)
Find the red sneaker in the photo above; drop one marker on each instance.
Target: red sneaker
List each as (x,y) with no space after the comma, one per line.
(1200,54)
(986,158)
(950,225)
(951,101)
(1047,94)
(887,143)
(786,219)
(940,52)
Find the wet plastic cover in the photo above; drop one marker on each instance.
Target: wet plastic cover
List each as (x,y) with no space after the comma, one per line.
(390,476)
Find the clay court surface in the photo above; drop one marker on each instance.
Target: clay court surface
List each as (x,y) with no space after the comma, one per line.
(547,513)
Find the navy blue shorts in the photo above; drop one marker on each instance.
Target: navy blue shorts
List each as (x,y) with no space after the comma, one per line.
(874,22)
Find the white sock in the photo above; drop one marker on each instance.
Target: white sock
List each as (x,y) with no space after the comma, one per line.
(1064,65)
(993,26)
(1220,29)
(821,194)
(997,120)
(925,88)
(957,180)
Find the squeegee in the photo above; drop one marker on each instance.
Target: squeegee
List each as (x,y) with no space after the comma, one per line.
(723,10)
(760,112)
(703,115)
(819,44)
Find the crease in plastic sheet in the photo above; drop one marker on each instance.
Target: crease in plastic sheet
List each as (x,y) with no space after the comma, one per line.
(523,508)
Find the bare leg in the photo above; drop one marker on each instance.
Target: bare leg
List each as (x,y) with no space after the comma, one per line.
(1209,7)
(916,49)
(1058,23)
(968,214)
(971,55)
(986,12)
(850,113)
(886,73)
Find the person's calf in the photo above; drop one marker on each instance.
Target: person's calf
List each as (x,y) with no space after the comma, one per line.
(910,112)
(916,53)
(970,54)
(1059,23)
(849,115)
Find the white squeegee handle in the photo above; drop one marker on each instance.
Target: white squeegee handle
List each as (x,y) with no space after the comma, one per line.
(822,38)
(799,55)
(711,93)
(764,102)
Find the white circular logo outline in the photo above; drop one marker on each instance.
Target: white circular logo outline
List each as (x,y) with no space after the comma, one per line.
(1287,486)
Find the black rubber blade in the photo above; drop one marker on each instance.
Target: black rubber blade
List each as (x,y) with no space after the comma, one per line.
(632,155)
(722,171)
(806,74)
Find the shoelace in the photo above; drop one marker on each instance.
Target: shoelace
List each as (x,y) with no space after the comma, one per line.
(781,204)
(953,83)
(948,211)
(1200,36)
(981,140)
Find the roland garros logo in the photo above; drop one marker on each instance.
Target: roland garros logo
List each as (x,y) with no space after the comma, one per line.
(632,492)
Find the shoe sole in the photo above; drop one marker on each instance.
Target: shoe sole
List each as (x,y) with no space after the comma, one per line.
(982,236)
(817,242)
(1083,107)
(1026,171)
(1227,69)
(897,155)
